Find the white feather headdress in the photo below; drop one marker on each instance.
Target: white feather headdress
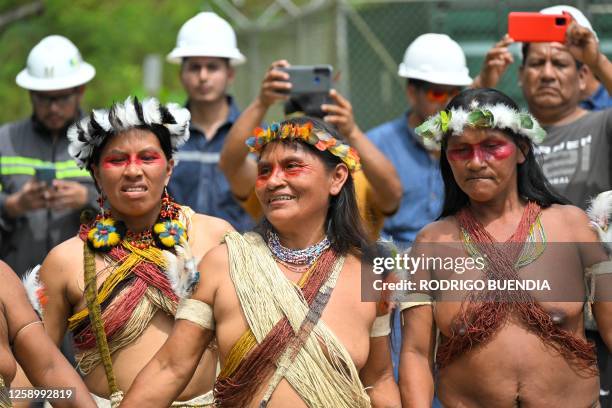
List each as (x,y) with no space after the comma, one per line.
(89,133)
(498,116)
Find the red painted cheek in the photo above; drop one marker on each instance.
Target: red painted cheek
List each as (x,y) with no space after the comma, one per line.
(503,151)
(260,181)
(298,171)
(460,155)
(482,152)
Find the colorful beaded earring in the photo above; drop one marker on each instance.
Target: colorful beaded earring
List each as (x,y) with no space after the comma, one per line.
(106,232)
(169,230)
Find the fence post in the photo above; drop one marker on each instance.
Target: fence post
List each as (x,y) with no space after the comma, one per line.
(342,57)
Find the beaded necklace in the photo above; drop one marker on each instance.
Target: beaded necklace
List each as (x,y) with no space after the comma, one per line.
(297,260)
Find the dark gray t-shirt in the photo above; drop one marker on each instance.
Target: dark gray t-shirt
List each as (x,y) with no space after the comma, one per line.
(576,157)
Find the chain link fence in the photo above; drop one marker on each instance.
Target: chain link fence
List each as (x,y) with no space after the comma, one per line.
(365,41)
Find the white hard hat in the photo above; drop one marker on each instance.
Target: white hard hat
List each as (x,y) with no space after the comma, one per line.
(574,12)
(54,63)
(206,35)
(435,58)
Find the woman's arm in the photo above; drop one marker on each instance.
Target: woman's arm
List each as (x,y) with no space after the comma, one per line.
(40,359)
(416,357)
(56,271)
(377,375)
(163,379)
(239,169)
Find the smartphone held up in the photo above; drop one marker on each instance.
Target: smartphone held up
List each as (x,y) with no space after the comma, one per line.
(310,86)
(538,27)
(309,79)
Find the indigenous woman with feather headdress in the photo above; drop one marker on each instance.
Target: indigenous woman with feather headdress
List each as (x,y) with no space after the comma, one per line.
(503,345)
(117,284)
(284,302)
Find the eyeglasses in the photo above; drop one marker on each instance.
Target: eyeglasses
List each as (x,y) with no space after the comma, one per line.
(47,100)
(435,95)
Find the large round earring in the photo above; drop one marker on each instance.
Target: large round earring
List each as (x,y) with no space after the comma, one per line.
(169,230)
(106,232)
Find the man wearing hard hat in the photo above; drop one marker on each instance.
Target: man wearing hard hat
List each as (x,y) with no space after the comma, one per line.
(42,189)
(207,50)
(432,79)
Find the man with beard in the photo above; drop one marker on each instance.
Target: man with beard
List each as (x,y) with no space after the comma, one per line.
(42,191)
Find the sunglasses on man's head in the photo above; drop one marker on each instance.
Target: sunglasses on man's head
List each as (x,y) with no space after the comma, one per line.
(440,95)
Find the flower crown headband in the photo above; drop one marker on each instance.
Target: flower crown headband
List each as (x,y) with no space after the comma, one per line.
(498,116)
(307,134)
(89,133)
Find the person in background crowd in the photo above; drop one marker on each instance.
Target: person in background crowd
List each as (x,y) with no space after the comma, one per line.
(576,153)
(432,79)
(207,50)
(42,191)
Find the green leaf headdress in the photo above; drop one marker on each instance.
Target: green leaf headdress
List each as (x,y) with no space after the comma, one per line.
(499,116)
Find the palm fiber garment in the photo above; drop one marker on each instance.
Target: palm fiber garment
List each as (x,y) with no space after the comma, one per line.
(5,401)
(320,370)
(129,297)
(483,313)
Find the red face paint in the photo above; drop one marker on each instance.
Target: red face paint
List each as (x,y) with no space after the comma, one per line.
(483,151)
(123,160)
(288,170)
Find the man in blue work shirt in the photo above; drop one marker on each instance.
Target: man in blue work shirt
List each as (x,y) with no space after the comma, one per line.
(432,79)
(207,51)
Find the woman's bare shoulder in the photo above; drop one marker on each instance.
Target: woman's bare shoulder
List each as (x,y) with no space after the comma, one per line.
(443,230)
(211,226)
(66,257)
(568,223)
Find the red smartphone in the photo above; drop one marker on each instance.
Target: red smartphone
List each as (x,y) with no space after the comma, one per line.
(537,27)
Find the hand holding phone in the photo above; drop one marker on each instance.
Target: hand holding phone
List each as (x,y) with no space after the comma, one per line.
(537,27)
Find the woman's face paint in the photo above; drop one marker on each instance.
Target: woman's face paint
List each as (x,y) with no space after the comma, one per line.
(484,162)
(487,150)
(293,185)
(133,159)
(120,159)
(289,168)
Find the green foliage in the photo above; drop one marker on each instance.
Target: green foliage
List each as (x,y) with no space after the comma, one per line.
(112,35)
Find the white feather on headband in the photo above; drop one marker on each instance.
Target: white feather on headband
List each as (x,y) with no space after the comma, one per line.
(89,133)
(498,116)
